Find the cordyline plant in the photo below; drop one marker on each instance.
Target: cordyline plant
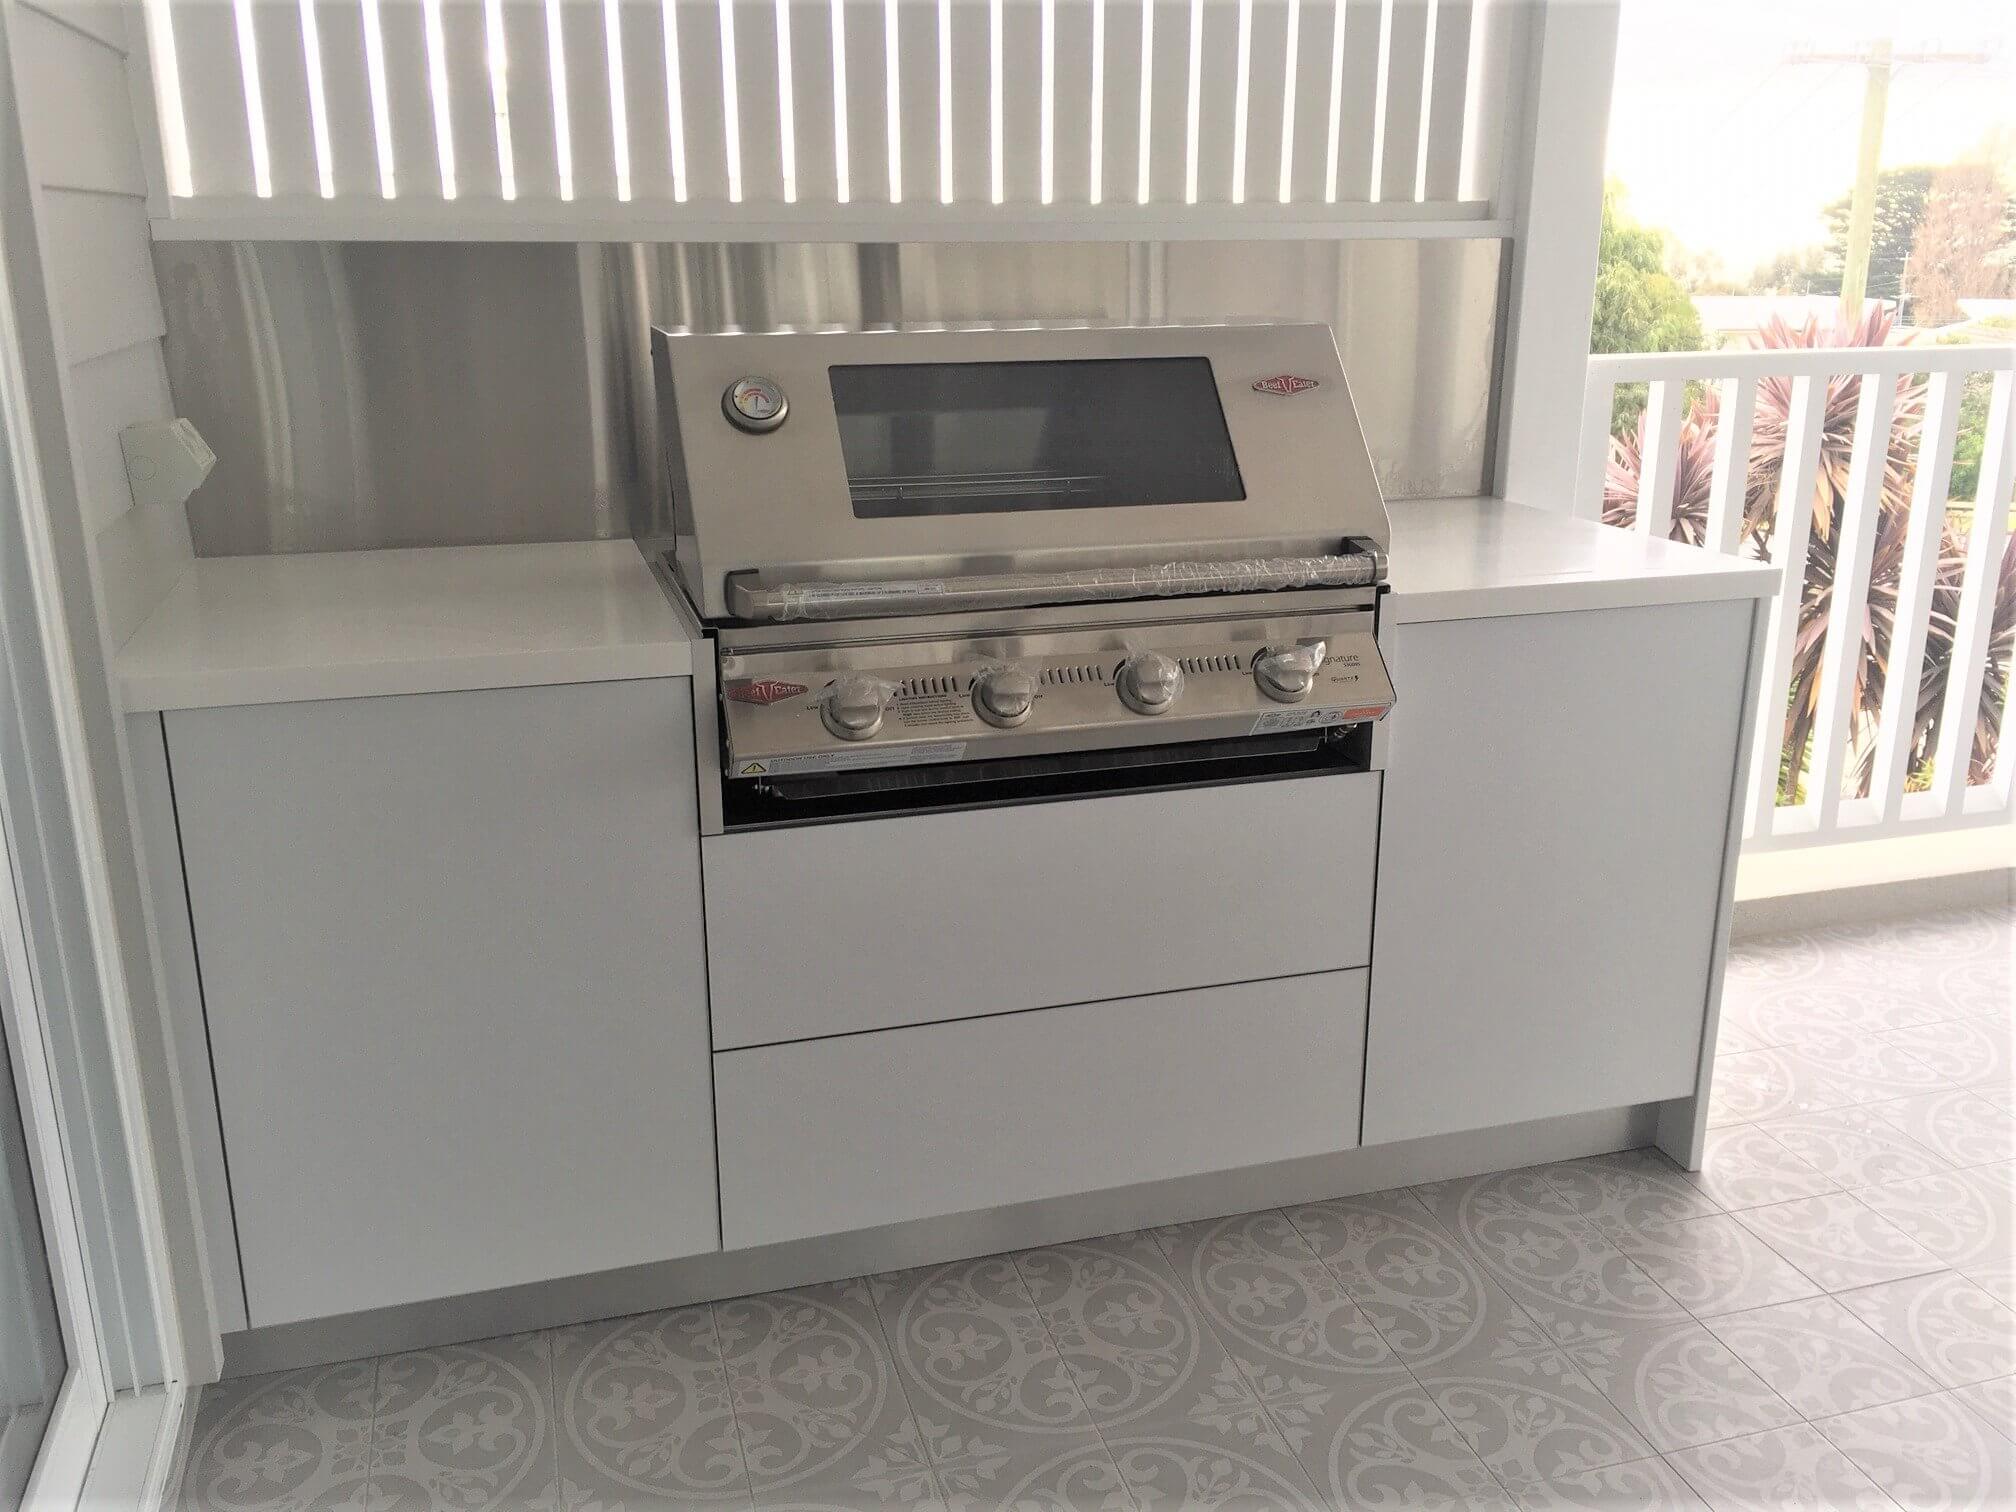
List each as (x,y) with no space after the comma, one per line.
(1830,490)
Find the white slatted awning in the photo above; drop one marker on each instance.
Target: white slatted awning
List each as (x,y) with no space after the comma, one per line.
(831,119)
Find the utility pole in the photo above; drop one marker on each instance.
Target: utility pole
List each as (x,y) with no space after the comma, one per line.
(1881,61)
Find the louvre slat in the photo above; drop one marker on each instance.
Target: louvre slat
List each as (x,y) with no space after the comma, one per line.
(1119,140)
(472,105)
(1448,78)
(585,44)
(1169,89)
(283,87)
(1665,408)
(763,164)
(867,41)
(972,102)
(1973,630)
(1316,28)
(415,149)
(1356,110)
(1268,97)
(703,106)
(1072,164)
(923,112)
(645,103)
(822,136)
(1021,34)
(1220,135)
(1406,75)
(213,99)
(535,163)
(346,89)
(1791,540)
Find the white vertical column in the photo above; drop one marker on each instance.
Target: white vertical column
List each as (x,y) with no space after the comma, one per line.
(1791,537)
(1665,412)
(1735,422)
(1971,635)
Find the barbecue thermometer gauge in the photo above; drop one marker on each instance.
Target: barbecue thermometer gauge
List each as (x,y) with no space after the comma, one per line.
(755,404)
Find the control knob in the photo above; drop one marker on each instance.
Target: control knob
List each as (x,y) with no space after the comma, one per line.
(852,706)
(1287,673)
(1150,682)
(1003,696)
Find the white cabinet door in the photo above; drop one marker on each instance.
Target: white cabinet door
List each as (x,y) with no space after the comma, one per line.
(1557,805)
(452,962)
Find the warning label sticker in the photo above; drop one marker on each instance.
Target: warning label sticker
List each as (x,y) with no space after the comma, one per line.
(1277,720)
(841,761)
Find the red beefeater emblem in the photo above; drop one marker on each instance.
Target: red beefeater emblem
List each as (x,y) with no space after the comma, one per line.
(766,690)
(1283,384)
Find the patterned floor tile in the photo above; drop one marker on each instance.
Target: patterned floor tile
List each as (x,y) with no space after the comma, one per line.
(1182,1463)
(1874,1066)
(467,1426)
(1963,1052)
(1528,1412)
(1136,1343)
(1853,1147)
(1272,1302)
(1929,1453)
(1682,1386)
(1715,1265)
(1426,1294)
(1790,1469)
(1994,1402)
(1000,1410)
(1771,1084)
(1997,1279)
(1960,1126)
(1381,1441)
(818,1409)
(1622,1192)
(644,1414)
(282,1443)
(1821,1357)
(1743,1166)
(1572,1279)
(1648,1485)
(1837,1241)
(1946,1324)
(1963,1217)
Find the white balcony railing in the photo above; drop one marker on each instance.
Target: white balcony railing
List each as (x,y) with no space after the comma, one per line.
(1835,464)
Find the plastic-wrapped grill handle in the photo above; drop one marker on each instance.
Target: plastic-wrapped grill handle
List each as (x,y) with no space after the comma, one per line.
(818,601)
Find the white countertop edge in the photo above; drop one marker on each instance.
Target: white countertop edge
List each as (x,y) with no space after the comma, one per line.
(293,629)
(1564,595)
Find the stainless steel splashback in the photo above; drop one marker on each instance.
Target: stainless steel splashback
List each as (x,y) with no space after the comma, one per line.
(409,394)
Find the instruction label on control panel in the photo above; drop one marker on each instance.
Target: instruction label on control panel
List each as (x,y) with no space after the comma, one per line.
(1276,720)
(843,761)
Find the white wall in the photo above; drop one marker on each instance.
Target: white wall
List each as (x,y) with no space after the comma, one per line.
(80,282)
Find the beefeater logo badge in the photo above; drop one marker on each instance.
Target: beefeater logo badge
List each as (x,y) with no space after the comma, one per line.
(766,690)
(1284,384)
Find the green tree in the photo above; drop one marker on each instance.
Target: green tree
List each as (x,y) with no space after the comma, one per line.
(1901,194)
(1639,306)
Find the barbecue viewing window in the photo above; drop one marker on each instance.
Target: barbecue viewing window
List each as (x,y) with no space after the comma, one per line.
(996,437)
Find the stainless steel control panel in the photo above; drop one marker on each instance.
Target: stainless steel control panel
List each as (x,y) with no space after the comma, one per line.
(822,709)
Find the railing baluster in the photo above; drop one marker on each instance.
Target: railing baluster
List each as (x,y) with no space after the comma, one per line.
(1854,552)
(1593,466)
(1665,409)
(1790,539)
(1732,464)
(1915,576)
(1977,600)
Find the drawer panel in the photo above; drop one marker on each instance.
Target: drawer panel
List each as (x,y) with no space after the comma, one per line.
(839,928)
(831,1135)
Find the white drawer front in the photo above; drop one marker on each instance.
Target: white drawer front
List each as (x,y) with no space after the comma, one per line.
(827,1136)
(838,928)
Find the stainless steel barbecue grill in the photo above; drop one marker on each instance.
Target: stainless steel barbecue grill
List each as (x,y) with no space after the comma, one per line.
(948,568)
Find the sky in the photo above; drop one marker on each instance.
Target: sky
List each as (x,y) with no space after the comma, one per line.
(1724,137)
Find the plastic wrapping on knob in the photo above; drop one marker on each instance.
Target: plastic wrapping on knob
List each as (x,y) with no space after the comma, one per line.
(860,683)
(1308,660)
(1173,681)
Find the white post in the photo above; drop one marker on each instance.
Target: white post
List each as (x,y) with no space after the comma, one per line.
(1854,552)
(1732,464)
(1556,181)
(1958,714)
(1913,614)
(1663,418)
(1791,538)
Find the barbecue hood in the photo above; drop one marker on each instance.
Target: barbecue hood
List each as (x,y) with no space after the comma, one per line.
(823,475)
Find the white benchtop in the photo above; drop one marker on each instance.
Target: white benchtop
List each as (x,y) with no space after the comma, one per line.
(1476,558)
(280,629)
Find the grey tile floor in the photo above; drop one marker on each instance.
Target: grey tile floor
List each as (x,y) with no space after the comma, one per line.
(1820,1318)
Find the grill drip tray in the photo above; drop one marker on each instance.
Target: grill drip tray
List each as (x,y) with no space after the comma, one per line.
(760,802)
